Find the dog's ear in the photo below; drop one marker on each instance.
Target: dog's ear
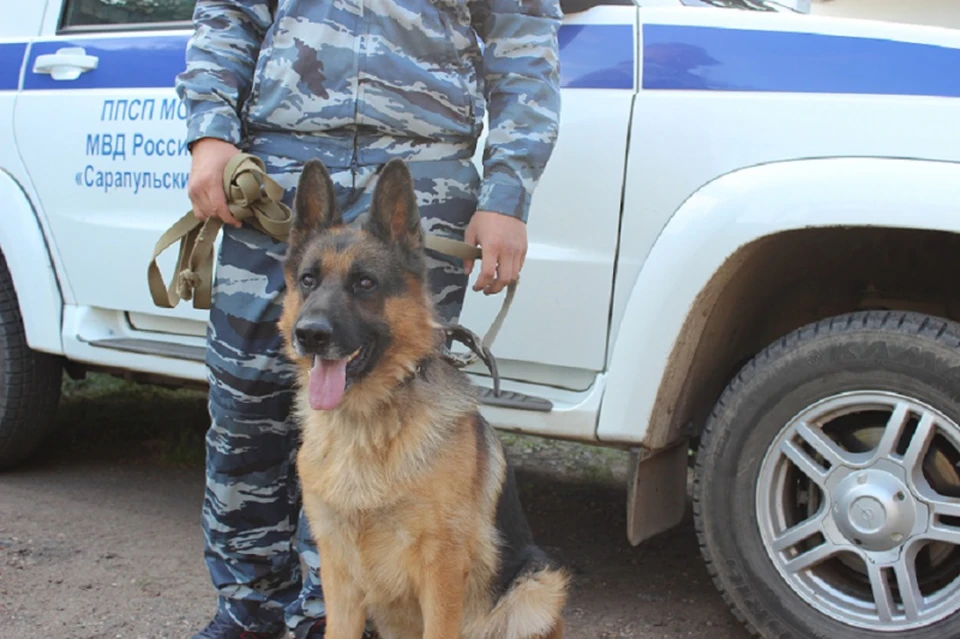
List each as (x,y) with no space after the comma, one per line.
(394,216)
(315,206)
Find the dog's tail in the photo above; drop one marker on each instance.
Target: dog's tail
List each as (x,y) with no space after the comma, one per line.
(532,607)
(556,633)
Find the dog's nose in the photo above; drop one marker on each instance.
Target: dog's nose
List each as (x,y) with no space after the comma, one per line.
(313,334)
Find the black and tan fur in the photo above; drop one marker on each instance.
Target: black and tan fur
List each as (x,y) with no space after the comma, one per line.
(406,487)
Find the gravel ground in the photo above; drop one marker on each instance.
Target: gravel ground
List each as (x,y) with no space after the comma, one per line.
(100,535)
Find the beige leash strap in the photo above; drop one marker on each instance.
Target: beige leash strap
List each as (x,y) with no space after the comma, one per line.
(250,193)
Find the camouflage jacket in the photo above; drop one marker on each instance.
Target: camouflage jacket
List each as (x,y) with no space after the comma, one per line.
(366,80)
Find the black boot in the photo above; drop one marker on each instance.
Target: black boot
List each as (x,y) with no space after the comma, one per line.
(223,627)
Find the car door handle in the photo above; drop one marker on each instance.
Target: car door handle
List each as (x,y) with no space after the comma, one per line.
(66,64)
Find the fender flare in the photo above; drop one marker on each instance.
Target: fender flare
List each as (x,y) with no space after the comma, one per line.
(25,250)
(659,329)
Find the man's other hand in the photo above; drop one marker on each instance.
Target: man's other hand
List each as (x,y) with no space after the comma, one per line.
(503,240)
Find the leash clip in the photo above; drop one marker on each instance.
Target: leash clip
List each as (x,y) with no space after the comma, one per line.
(478,349)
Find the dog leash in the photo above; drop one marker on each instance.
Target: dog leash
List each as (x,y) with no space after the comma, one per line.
(253,195)
(479,348)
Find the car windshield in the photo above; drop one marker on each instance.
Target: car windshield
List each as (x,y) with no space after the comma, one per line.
(750,5)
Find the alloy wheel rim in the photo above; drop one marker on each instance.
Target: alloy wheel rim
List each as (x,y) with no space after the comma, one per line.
(858,505)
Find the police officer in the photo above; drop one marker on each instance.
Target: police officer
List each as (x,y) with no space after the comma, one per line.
(353,83)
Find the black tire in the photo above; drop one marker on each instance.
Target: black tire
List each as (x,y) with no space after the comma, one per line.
(907,353)
(30,383)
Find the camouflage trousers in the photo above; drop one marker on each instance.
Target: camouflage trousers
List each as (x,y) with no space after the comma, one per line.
(258,549)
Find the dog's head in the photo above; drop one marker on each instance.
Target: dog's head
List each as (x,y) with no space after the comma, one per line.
(357,315)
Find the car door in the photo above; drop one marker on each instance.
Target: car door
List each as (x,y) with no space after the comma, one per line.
(99,83)
(100,130)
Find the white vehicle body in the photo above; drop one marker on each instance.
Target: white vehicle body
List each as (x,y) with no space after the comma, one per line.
(692,141)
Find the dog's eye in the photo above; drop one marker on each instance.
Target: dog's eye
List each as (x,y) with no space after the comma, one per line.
(307,280)
(364,284)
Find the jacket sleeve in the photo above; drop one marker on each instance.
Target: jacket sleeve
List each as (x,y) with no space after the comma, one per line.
(521,74)
(220,59)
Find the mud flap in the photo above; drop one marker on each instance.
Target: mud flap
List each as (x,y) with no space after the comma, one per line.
(656,491)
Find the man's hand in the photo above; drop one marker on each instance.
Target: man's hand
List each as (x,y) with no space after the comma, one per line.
(504,243)
(205,186)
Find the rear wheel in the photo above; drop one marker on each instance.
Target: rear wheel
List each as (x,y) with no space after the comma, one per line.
(29,383)
(827,493)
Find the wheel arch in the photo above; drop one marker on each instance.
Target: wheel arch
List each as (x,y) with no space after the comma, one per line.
(27,255)
(674,352)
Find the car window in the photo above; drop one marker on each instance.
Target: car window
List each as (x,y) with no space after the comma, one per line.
(84,14)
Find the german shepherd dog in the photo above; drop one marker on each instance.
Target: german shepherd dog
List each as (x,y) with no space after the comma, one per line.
(406,487)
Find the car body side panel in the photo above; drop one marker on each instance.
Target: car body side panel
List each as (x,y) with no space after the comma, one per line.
(723,90)
(728,214)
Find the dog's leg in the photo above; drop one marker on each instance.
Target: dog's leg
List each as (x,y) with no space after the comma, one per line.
(441,597)
(343,600)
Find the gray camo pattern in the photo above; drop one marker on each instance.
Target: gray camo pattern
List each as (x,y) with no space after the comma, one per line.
(376,79)
(353,83)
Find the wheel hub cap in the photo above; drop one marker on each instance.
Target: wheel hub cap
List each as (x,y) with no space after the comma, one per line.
(873,509)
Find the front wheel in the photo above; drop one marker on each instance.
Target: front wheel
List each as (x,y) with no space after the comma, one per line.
(29,383)
(827,493)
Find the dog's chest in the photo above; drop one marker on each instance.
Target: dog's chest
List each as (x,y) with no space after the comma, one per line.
(386,549)
(348,486)
(356,468)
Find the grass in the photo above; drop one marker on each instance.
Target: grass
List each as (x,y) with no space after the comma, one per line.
(570,460)
(103,417)
(106,417)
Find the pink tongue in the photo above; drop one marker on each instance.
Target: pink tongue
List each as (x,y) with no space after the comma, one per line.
(328,381)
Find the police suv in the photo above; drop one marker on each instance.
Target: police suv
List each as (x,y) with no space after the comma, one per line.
(746,245)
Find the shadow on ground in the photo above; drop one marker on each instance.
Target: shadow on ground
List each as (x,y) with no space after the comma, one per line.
(125,467)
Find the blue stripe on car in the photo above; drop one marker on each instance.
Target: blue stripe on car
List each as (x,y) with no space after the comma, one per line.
(593,56)
(11,57)
(596,56)
(677,57)
(599,56)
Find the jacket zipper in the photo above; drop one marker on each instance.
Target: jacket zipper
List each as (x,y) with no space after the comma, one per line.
(361,46)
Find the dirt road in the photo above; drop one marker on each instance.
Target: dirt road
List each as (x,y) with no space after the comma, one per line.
(100,537)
